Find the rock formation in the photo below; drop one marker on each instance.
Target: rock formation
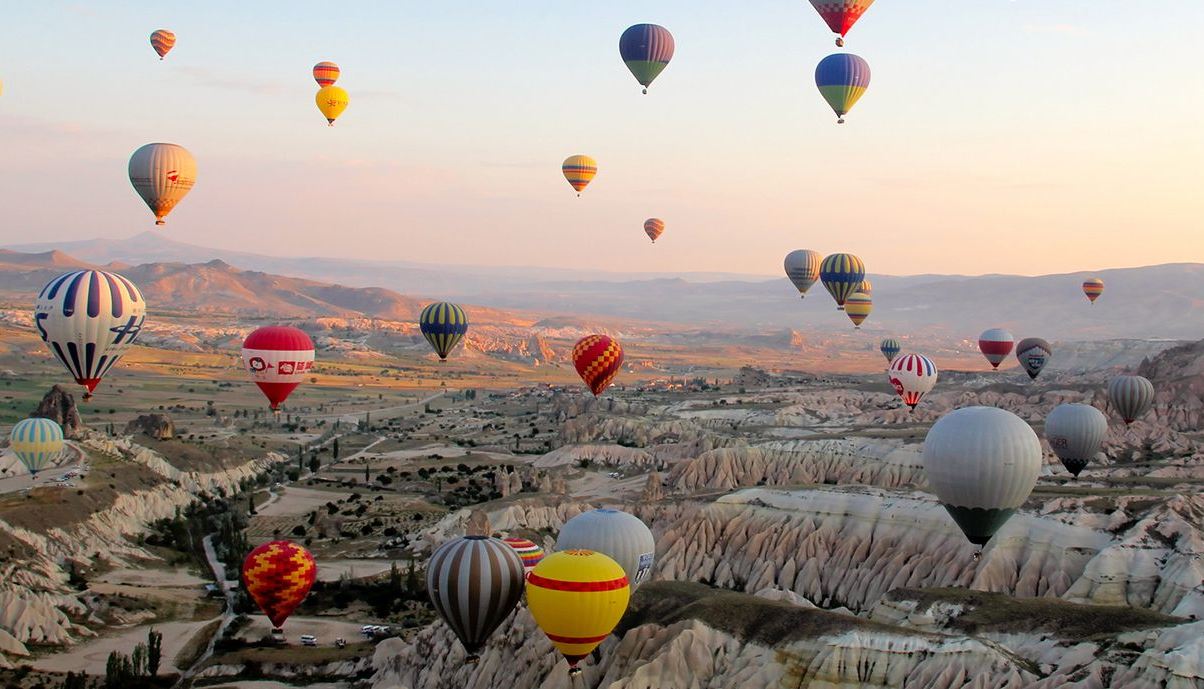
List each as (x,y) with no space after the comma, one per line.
(157,426)
(58,405)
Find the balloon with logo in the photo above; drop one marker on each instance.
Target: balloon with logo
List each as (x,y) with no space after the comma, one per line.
(278,575)
(162,174)
(579,170)
(37,442)
(841,15)
(278,357)
(528,551)
(162,41)
(577,598)
(598,359)
(1075,433)
(995,344)
(331,101)
(842,79)
(842,275)
(443,324)
(474,582)
(858,307)
(1093,287)
(326,73)
(654,228)
(912,376)
(1131,396)
(982,462)
(802,267)
(890,349)
(621,536)
(646,49)
(1033,353)
(89,319)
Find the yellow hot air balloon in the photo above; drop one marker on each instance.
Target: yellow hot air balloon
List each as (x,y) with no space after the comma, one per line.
(579,170)
(332,101)
(577,598)
(858,307)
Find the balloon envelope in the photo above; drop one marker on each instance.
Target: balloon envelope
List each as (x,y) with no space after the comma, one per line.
(1033,353)
(162,41)
(1075,433)
(654,228)
(912,376)
(646,49)
(331,101)
(842,275)
(1132,396)
(277,358)
(577,597)
(579,170)
(982,462)
(278,575)
(858,307)
(326,73)
(162,174)
(995,344)
(842,79)
(443,324)
(36,442)
(88,319)
(528,551)
(841,15)
(620,536)
(598,359)
(802,267)
(1093,287)
(474,582)
(890,349)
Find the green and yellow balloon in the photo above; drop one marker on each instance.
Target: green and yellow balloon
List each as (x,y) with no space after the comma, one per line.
(443,325)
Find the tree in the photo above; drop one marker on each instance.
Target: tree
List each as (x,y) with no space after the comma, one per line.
(74,681)
(412,578)
(300,458)
(394,579)
(367,472)
(335,451)
(138,660)
(154,652)
(314,464)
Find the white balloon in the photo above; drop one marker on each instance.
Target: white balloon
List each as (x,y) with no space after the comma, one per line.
(616,534)
(162,174)
(912,376)
(1075,433)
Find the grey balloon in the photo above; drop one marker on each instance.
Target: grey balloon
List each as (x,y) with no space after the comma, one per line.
(1132,396)
(616,534)
(1075,433)
(802,267)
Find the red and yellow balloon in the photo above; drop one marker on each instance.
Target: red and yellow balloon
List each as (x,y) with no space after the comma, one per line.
(598,359)
(278,575)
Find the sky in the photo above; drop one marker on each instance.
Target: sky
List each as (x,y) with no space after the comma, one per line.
(997,136)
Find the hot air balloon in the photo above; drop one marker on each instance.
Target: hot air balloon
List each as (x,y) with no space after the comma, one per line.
(1075,433)
(598,359)
(529,552)
(841,15)
(890,349)
(995,344)
(579,170)
(326,73)
(278,357)
(474,582)
(332,101)
(88,319)
(842,275)
(1033,353)
(1093,287)
(162,174)
(802,267)
(858,307)
(842,79)
(37,442)
(577,598)
(278,575)
(654,228)
(866,287)
(913,376)
(618,535)
(646,50)
(162,41)
(1132,396)
(443,325)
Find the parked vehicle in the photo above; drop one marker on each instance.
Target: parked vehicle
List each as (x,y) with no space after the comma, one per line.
(309,640)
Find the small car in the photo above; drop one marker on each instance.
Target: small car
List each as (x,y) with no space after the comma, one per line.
(309,640)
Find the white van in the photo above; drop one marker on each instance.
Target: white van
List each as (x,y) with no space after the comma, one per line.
(309,640)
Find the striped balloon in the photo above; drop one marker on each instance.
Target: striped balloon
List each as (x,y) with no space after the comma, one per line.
(162,41)
(598,359)
(842,275)
(278,575)
(654,228)
(802,267)
(1033,353)
(1093,287)
(1076,434)
(912,376)
(88,319)
(866,287)
(890,349)
(841,15)
(443,324)
(995,344)
(37,442)
(326,73)
(579,170)
(1131,396)
(162,174)
(529,552)
(474,582)
(842,79)
(577,597)
(858,307)
(646,50)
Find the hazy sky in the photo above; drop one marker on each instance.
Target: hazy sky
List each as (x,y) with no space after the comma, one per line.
(996,136)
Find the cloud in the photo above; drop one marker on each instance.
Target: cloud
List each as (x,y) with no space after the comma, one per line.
(1063,29)
(205,77)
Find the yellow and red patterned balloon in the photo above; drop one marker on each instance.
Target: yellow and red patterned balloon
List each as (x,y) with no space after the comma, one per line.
(162,41)
(577,598)
(579,170)
(654,228)
(326,73)
(529,552)
(278,575)
(598,359)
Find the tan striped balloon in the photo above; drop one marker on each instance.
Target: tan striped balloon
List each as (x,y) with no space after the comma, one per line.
(162,174)
(162,41)
(474,582)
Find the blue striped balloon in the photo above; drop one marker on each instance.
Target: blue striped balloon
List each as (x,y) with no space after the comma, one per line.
(443,325)
(842,275)
(36,442)
(890,349)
